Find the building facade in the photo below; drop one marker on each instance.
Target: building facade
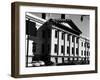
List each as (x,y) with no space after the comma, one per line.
(68,48)
(55,42)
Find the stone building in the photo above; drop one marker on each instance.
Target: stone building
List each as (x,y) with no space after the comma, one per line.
(55,41)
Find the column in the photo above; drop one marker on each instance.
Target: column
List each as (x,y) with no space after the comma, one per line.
(75,47)
(66,44)
(53,42)
(70,45)
(59,47)
(79,49)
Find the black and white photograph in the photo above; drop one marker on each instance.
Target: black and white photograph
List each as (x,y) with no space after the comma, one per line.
(57,39)
(52,39)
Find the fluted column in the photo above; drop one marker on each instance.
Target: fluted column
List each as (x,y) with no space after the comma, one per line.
(59,46)
(52,42)
(70,45)
(66,44)
(75,46)
(80,48)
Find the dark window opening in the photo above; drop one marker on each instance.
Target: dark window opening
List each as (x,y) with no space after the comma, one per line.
(62,60)
(77,51)
(88,45)
(68,59)
(62,36)
(81,43)
(77,40)
(68,37)
(56,34)
(72,50)
(62,49)
(68,50)
(56,59)
(85,44)
(43,15)
(62,16)
(55,48)
(85,53)
(82,52)
(73,38)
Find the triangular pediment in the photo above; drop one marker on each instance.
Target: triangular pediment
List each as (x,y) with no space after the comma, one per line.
(66,24)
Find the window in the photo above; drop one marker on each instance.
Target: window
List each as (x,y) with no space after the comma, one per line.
(43,34)
(77,51)
(56,59)
(72,50)
(56,34)
(62,36)
(81,43)
(62,16)
(77,40)
(85,44)
(55,48)
(68,37)
(42,48)
(62,49)
(68,59)
(88,45)
(73,38)
(82,52)
(85,53)
(68,50)
(43,15)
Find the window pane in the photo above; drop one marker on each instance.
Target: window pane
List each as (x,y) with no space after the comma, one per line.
(56,34)
(85,53)
(73,38)
(55,48)
(76,40)
(81,43)
(85,44)
(77,51)
(82,52)
(68,37)
(72,50)
(62,49)
(62,35)
(67,49)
